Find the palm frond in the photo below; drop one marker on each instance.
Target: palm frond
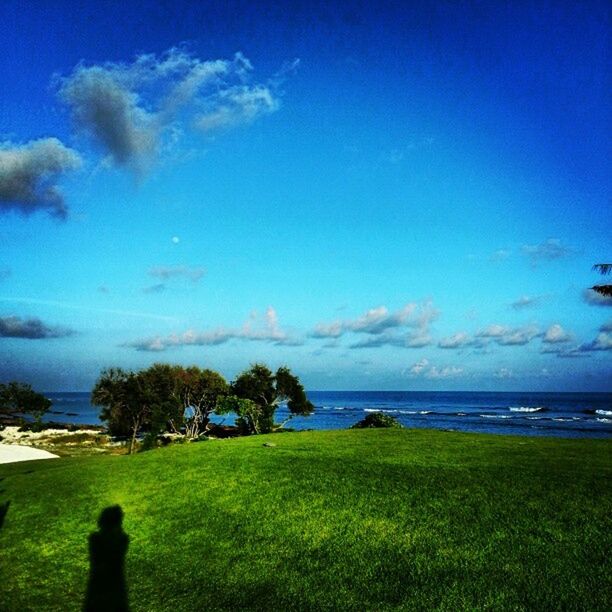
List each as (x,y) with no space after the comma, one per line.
(603,268)
(605,290)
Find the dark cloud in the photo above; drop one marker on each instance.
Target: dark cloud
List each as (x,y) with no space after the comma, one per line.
(29,174)
(31,329)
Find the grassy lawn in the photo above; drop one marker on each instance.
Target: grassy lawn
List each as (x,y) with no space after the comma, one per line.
(338,520)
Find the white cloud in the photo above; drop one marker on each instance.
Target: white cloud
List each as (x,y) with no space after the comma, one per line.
(603,342)
(379,321)
(383,327)
(458,340)
(508,336)
(424,369)
(256,329)
(519,336)
(504,373)
(556,334)
(29,174)
(493,331)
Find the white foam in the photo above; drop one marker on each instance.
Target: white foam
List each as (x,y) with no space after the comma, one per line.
(604,412)
(526,408)
(603,420)
(495,416)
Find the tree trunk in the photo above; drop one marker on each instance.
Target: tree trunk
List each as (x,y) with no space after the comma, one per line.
(134,432)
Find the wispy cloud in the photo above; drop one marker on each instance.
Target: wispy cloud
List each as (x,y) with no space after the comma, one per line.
(167,272)
(500,255)
(255,329)
(424,369)
(157,288)
(29,176)
(526,301)
(69,306)
(132,111)
(549,250)
(30,329)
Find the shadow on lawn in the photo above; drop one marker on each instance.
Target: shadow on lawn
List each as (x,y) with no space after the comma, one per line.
(3,510)
(106,588)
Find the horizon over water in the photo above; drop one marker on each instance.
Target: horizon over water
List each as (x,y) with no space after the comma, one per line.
(563,414)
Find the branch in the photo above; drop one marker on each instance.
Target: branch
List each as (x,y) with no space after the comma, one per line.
(605,290)
(603,268)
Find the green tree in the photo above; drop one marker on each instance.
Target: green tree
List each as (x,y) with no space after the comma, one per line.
(160,384)
(126,401)
(265,391)
(200,392)
(19,398)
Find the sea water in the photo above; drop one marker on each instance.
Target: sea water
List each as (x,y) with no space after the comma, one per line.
(544,414)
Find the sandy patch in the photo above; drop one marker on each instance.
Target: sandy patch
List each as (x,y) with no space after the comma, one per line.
(11,453)
(12,435)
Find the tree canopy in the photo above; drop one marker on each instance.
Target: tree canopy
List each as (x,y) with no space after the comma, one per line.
(20,398)
(257,392)
(161,398)
(182,400)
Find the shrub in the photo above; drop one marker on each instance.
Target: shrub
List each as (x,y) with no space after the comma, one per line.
(377,419)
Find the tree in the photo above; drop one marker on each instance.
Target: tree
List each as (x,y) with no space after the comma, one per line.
(161,398)
(200,392)
(604,269)
(126,402)
(161,383)
(265,391)
(19,398)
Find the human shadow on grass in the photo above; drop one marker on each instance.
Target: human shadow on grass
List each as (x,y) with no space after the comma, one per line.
(106,588)
(3,510)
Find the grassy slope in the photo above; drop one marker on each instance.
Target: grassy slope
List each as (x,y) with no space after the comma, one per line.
(370,519)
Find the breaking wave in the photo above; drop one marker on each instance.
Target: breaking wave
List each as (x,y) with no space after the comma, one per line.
(528,409)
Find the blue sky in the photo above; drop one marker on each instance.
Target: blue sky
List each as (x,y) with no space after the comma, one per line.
(380,197)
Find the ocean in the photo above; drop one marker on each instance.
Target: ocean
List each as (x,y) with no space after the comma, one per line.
(572,415)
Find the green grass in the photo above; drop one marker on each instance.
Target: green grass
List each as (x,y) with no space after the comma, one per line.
(345,520)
